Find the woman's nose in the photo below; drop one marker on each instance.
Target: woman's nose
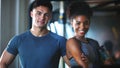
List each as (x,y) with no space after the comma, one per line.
(82,26)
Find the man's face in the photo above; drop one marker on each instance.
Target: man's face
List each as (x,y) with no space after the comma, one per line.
(40,16)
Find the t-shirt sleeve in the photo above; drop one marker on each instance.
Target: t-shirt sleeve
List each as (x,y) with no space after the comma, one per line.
(63,46)
(12,46)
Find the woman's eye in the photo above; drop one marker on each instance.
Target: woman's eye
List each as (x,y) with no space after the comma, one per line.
(86,22)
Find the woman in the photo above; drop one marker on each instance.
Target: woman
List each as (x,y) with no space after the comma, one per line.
(79,14)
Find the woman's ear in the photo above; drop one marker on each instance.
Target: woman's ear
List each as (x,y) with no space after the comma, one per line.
(71,24)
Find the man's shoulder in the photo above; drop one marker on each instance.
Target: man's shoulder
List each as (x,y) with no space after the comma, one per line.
(21,35)
(56,36)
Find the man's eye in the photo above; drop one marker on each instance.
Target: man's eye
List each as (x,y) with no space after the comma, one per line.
(47,15)
(39,13)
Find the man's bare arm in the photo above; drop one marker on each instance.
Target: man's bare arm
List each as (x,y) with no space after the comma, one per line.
(6,59)
(66,60)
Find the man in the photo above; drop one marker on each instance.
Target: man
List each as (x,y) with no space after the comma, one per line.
(37,47)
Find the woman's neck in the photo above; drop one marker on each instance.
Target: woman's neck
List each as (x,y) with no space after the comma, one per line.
(83,39)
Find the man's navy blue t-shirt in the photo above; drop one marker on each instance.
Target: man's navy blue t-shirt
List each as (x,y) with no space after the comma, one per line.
(38,52)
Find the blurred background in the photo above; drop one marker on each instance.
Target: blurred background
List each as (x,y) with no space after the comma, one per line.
(105,23)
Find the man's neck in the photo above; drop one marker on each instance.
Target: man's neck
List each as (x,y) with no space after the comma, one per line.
(38,32)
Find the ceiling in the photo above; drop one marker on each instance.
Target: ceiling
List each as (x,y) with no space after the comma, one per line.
(99,5)
(105,5)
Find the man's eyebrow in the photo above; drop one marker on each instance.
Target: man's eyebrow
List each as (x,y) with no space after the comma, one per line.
(42,12)
(39,11)
(78,21)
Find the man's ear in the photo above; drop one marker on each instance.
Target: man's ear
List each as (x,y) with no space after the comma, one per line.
(50,16)
(31,13)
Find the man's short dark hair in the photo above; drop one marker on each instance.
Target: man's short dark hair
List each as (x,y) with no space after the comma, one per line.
(37,3)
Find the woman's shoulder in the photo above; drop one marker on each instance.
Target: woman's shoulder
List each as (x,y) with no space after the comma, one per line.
(71,39)
(92,40)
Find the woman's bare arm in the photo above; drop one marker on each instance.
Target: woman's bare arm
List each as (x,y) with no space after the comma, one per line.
(74,48)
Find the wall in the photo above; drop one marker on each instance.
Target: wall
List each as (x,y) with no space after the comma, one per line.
(103,26)
(0,27)
(13,22)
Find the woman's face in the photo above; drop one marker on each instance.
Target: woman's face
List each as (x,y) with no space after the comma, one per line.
(80,25)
